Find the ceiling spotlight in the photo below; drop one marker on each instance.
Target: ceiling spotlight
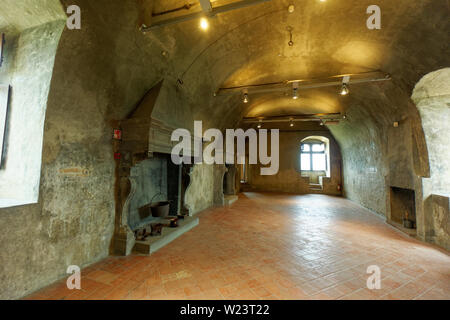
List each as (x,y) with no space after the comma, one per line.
(245,99)
(291,8)
(295,90)
(204,24)
(344,89)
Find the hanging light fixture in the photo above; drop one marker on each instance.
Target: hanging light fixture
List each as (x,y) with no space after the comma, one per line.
(289,29)
(344,89)
(291,124)
(259,124)
(295,90)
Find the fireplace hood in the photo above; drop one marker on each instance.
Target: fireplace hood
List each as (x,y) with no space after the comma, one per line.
(148,128)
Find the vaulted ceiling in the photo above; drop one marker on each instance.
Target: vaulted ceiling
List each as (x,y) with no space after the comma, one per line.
(250,46)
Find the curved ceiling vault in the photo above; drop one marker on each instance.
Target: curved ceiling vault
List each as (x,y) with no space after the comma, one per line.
(250,46)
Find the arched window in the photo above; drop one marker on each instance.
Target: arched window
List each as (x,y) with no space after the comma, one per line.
(313,156)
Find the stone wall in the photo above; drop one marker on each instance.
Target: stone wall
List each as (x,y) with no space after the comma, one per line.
(364,170)
(205,188)
(31,51)
(72,223)
(289,177)
(432,97)
(440,221)
(377,155)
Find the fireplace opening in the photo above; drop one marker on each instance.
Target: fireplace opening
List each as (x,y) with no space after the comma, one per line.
(403,209)
(156,180)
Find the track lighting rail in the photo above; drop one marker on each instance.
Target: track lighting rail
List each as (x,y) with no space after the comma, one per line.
(354,78)
(296,118)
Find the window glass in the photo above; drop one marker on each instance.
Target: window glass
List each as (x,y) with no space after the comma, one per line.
(305,162)
(306,147)
(319,162)
(318,147)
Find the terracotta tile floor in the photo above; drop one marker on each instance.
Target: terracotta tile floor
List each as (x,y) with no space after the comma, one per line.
(274,246)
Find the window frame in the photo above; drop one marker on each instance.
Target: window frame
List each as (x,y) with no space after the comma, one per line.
(310,154)
(2,45)
(4,106)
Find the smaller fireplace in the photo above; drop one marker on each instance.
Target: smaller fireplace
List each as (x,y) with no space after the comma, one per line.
(403,209)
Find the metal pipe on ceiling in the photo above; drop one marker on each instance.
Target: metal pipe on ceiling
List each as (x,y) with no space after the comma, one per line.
(292,120)
(187,6)
(295,118)
(199,14)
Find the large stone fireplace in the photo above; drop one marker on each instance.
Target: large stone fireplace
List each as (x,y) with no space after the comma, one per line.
(146,175)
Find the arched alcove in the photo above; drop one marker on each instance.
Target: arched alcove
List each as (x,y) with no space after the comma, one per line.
(432,98)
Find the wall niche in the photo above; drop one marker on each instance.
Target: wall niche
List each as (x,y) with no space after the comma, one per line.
(403,209)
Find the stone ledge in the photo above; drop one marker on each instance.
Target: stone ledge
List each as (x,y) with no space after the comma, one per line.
(153,244)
